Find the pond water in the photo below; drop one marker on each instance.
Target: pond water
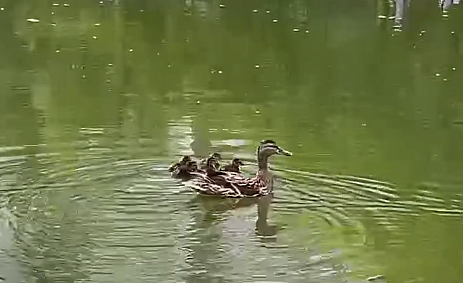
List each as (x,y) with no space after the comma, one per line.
(97,98)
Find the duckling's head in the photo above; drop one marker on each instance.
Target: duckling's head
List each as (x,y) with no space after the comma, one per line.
(192,165)
(217,156)
(211,162)
(186,159)
(237,162)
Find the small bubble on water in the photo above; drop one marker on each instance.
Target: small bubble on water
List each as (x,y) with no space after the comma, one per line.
(141,11)
(255,11)
(307,31)
(268,11)
(52,13)
(168,66)
(56,4)
(295,29)
(454,69)
(445,79)
(257,66)
(437,75)
(275,21)
(57,51)
(222,5)
(197,102)
(66,5)
(2,9)
(94,37)
(110,64)
(364,125)
(382,17)
(97,24)
(130,50)
(84,76)
(220,72)
(33,20)
(257,111)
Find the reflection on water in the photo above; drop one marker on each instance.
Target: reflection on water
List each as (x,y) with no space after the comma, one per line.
(98,97)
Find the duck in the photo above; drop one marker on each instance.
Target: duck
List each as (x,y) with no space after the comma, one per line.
(186,171)
(183,161)
(204,163)
(235,185)
(234,166)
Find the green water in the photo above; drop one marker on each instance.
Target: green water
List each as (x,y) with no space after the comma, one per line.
(98,98)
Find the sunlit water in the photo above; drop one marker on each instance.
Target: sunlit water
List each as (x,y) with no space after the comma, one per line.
(97,98)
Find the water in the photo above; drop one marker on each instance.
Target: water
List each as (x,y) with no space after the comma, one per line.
(97,98)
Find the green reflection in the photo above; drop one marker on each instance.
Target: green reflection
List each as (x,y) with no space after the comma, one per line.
(96,98)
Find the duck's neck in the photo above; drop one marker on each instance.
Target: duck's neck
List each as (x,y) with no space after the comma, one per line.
(263,163)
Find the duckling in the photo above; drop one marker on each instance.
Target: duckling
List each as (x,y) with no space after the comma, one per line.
(204,163)
(234,166)
(185,171)
(185,159)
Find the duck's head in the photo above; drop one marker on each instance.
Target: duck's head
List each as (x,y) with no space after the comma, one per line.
(268,148)
(211,162)
(217,156)
(185,159)
(237,162)
(192,165)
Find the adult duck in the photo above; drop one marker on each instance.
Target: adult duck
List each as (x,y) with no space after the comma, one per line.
(234,185)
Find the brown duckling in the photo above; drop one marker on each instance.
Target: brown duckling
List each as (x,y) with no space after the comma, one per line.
(185,159)
(234,166)
(204,163)
(185,171)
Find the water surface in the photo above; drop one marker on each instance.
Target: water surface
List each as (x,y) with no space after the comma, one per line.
(97,98)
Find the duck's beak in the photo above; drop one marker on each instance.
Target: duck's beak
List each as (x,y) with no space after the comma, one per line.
(282,151)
